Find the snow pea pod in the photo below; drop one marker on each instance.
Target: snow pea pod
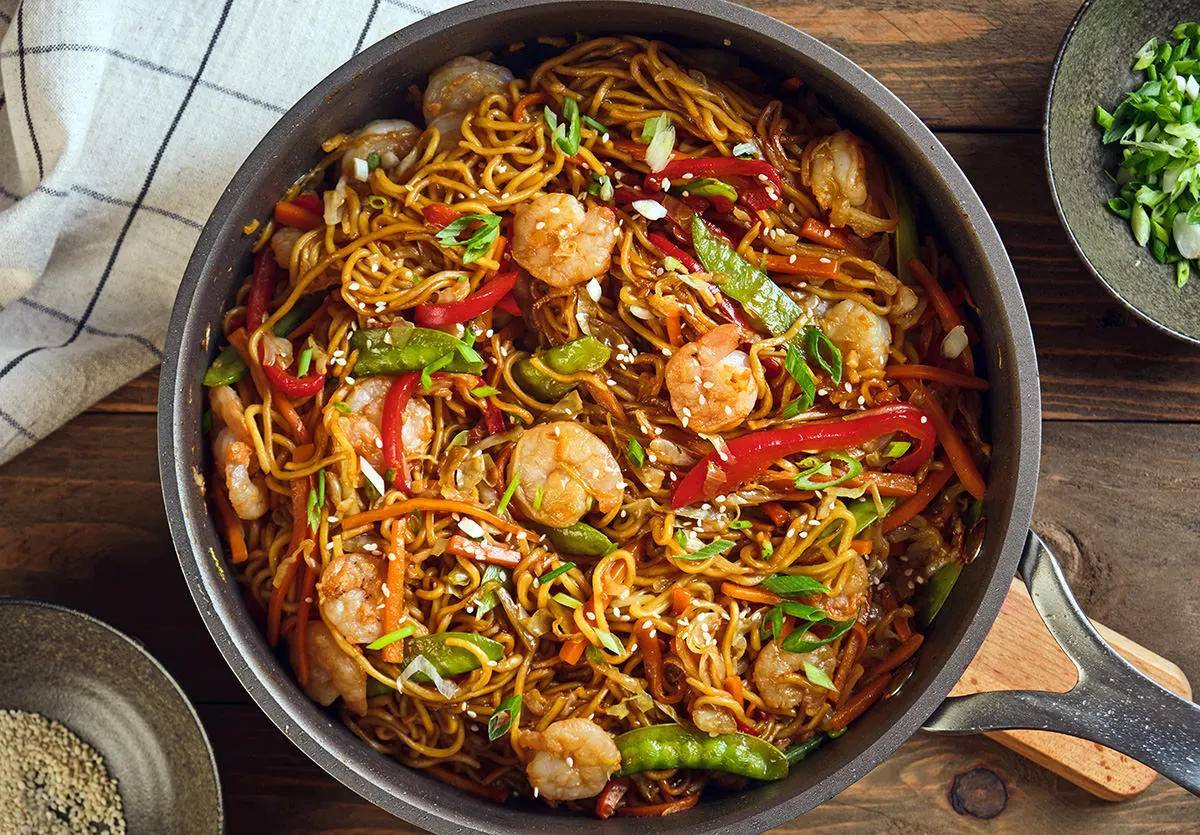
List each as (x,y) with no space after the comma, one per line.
(580,538)
(674,746)
(584,354)
(399,349)
(451,660)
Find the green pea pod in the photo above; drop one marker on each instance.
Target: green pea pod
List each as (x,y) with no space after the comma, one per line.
(449,660)
(941,582)
(865,512)
(801,750)
(580,539)
(584,354)
(764,301)
(398,349)
(228,367)
(659,747)
(906,229)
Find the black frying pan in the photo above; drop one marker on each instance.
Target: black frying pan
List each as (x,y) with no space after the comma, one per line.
(371,86)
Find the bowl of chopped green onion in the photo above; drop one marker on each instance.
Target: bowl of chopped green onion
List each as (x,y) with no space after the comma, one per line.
(1122,144)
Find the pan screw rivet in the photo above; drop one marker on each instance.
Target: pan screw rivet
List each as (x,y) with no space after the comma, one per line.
(979,793)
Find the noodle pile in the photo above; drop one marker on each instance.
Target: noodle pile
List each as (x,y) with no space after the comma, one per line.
(343,534)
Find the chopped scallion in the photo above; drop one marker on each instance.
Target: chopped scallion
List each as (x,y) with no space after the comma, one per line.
(555,572)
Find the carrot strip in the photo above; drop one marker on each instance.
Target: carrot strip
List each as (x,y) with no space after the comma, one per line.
(369,517)
(289,214)
(675,328)
(652,663)
(952,442)
(233,526)
(776,513)
(749,593)
(821,233)
(805,265)
(488,552)
(930,487)
(280,592)
(393,604)
(855,645)
(496,794)
(915,371)
(733,685)
(572,650)
(655,810)
(857,704)
(527,101)
(308,584)
(946,312)
(863,546)
(901,654)
(680,600)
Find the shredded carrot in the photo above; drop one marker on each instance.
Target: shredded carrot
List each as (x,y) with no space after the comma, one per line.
(733,685)
(956,448)
(289,214)
(232,525)
(776,513)
(930,487)
(901,654)
(903,628)
(938,375)
(749,594)
(652,663)
(821,233)
(947,313)
(308,584)
(527,101)
(498,248)
(857,704)
(572,650)
(675,328)
(369,517)
(299,531)
(655,810)
(488,552)
(855,645)
(393,604)
(681,598)
(496,794)
(863,546)
(805,265)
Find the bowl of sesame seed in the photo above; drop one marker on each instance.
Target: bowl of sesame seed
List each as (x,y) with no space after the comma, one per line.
(97,737)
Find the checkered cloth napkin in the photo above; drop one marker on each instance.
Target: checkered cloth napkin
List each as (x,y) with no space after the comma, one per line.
(121,121)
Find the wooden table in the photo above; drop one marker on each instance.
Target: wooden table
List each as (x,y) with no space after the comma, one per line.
(81,517)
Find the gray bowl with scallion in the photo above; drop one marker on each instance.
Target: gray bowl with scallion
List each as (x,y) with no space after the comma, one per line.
(1122,141)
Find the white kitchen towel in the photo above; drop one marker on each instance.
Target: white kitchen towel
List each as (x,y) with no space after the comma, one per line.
(121,121)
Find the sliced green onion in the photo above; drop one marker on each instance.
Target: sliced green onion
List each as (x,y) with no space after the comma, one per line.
(598,127)
(1103,118)
(436,365)
(653,125)
(896,449)
(537,498)
(321,487)
(798,369)
(343,407)
(566,600)
(377,202)
(508,494)
(493,578)
(681,537)
(314,518)
(767,549)
(739,524)
(372,161)
(712,549)
(818,676)
(479,242)
(391,637)
(815,466)
(304,362)
(485,391)
(796,642)
(794,585)
(674,265)
(1183,271)
(636,454)
(658,152)
(793,408)
(826,354)
(553,573)
(601,186)
(710,187)
(504,717)
(610,642)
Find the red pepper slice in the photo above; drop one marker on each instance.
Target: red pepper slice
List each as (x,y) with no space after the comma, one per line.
(759,197)
(310,201)
(671,251)
(289,384)
(392,424)
(493,417)
(509,305)
(750,454)
(439,214)
(719,167)
(483,299)
(262,289)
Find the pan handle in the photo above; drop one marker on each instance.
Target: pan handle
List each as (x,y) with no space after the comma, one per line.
(1112,703)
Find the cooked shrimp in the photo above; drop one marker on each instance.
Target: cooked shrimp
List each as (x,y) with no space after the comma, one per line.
(362,423)
(779,677)
(561,243)
(331,673)
(837,169)
(392,139)
(710,383)
(713,719)
(237,460)
(455,89)
(350,594)
(863,337)
(283,241)
(560,468)
(574,759)
(229,408)
(851,598)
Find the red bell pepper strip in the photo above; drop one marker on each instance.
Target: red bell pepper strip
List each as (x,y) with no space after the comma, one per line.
(509,305)
(289,384)
(493,417)
(262,289)
(669,250)
(759,197)
(392,425)
(439,214)
(719,167)
(750,454)
(299,214)
(483,299)
(310,201)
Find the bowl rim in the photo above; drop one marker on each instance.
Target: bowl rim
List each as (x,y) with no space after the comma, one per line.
(135,646)
(1048,164)
(282,700)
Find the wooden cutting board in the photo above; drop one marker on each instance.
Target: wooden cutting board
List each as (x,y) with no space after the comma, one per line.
(1020,654)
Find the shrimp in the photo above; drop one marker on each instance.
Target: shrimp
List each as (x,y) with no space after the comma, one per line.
(839,169)
(561,243)
(864,337)
(560,467)
(779,677)
(350,594)
(455,89)
(235,456)
(229,408)
(711,386)
(394,140)
(331,672)
(362,424)
(283,241)
(852,599)
(574,759)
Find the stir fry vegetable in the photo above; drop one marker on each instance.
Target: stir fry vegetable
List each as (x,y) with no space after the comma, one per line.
(657,747)
(450,660)
(584,354)
(398,349)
